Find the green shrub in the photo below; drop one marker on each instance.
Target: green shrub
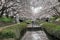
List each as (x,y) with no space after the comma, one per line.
(23,24)
(7,34)
(28,21)
(11,31)
(52,29)
(52,19)
(40,21)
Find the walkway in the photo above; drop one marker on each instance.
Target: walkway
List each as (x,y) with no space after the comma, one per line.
(1,28)
(35,35)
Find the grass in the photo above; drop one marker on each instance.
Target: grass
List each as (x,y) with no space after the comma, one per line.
(5,19)
(52,29)
(7,34)
(12,31)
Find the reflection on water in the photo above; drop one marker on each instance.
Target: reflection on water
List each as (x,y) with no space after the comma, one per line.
(35,36)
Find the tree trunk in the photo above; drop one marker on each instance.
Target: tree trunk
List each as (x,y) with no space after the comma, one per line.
(17,18)
(56,11)
(58,0)
(1,13)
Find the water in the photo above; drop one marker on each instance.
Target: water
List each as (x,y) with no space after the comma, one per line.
(35,35)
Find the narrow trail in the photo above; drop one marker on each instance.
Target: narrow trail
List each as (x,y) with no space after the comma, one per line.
(1,28)
(34,35)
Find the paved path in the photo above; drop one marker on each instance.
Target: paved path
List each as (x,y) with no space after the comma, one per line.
(35,35)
